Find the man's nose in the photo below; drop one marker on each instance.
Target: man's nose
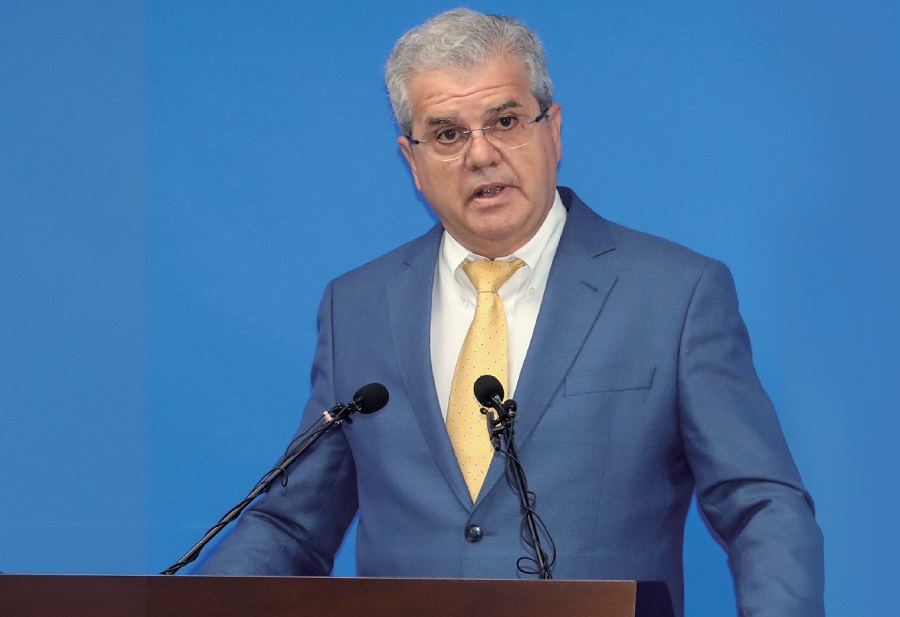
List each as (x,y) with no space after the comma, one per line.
(481,150)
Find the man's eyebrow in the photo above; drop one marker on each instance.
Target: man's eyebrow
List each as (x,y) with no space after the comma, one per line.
(440,121)
(504,107)
(451,120)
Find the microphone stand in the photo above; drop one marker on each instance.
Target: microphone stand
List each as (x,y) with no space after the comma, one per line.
(503,427)
(333,417)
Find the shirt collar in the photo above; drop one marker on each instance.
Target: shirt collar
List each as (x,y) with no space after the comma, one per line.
(453,254)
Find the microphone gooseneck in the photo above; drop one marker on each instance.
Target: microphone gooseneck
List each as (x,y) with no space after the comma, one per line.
(489,392)
(368,399)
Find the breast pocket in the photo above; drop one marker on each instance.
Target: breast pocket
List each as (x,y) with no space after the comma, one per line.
(610,378)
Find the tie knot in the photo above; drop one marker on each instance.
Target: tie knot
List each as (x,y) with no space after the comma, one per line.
(489,276)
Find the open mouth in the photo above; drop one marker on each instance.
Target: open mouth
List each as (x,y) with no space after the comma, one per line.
(489,191)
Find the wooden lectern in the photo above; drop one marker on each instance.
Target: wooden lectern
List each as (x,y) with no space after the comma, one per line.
(249,596)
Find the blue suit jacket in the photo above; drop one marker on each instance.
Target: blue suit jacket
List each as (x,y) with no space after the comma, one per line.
(638,386)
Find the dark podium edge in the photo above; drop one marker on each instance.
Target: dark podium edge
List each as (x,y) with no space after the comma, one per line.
(78,595)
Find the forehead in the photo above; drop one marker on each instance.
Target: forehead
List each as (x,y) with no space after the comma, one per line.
(451,92)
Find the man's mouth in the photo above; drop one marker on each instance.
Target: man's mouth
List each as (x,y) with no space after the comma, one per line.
(489,190)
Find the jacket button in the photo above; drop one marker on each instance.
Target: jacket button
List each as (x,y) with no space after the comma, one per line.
(473,533)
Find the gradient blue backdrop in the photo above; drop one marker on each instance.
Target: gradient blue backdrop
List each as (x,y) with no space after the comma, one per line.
(178,182)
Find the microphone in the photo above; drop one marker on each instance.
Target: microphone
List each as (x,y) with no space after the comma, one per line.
(370,398)
(489,392)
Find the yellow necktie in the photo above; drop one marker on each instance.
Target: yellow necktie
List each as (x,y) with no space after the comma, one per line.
(484,352)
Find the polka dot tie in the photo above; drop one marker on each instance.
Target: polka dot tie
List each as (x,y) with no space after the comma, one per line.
(484,352)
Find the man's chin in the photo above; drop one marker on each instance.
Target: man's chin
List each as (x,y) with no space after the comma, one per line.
(497,239)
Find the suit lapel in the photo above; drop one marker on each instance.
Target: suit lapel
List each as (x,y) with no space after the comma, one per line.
(580,280)
(409,301)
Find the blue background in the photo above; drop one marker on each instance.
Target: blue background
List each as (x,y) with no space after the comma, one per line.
(178,182)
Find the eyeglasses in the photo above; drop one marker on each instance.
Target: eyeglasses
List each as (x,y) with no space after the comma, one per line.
(507,131)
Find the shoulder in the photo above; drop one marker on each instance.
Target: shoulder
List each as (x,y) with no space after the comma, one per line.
(419,252)
(632,250)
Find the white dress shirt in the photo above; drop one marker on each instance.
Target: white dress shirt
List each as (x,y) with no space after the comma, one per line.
(454,298)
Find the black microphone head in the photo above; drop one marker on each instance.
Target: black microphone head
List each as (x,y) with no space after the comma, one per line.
(371,397)
(486,388)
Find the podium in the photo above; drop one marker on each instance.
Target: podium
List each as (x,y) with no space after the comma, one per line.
(242,596)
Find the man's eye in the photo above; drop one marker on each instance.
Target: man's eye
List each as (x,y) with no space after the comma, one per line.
(504,123)
(449,135)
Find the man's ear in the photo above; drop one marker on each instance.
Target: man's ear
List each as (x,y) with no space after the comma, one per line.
(406,148)
(555,113)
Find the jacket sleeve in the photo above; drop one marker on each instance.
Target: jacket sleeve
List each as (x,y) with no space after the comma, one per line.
(748,486)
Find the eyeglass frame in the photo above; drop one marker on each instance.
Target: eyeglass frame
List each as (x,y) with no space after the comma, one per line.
(464,130)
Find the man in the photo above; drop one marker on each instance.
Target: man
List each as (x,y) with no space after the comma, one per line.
(626,354)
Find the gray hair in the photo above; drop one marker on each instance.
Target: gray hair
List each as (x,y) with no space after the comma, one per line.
(462,39)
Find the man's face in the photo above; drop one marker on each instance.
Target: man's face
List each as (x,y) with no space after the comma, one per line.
(490,199)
